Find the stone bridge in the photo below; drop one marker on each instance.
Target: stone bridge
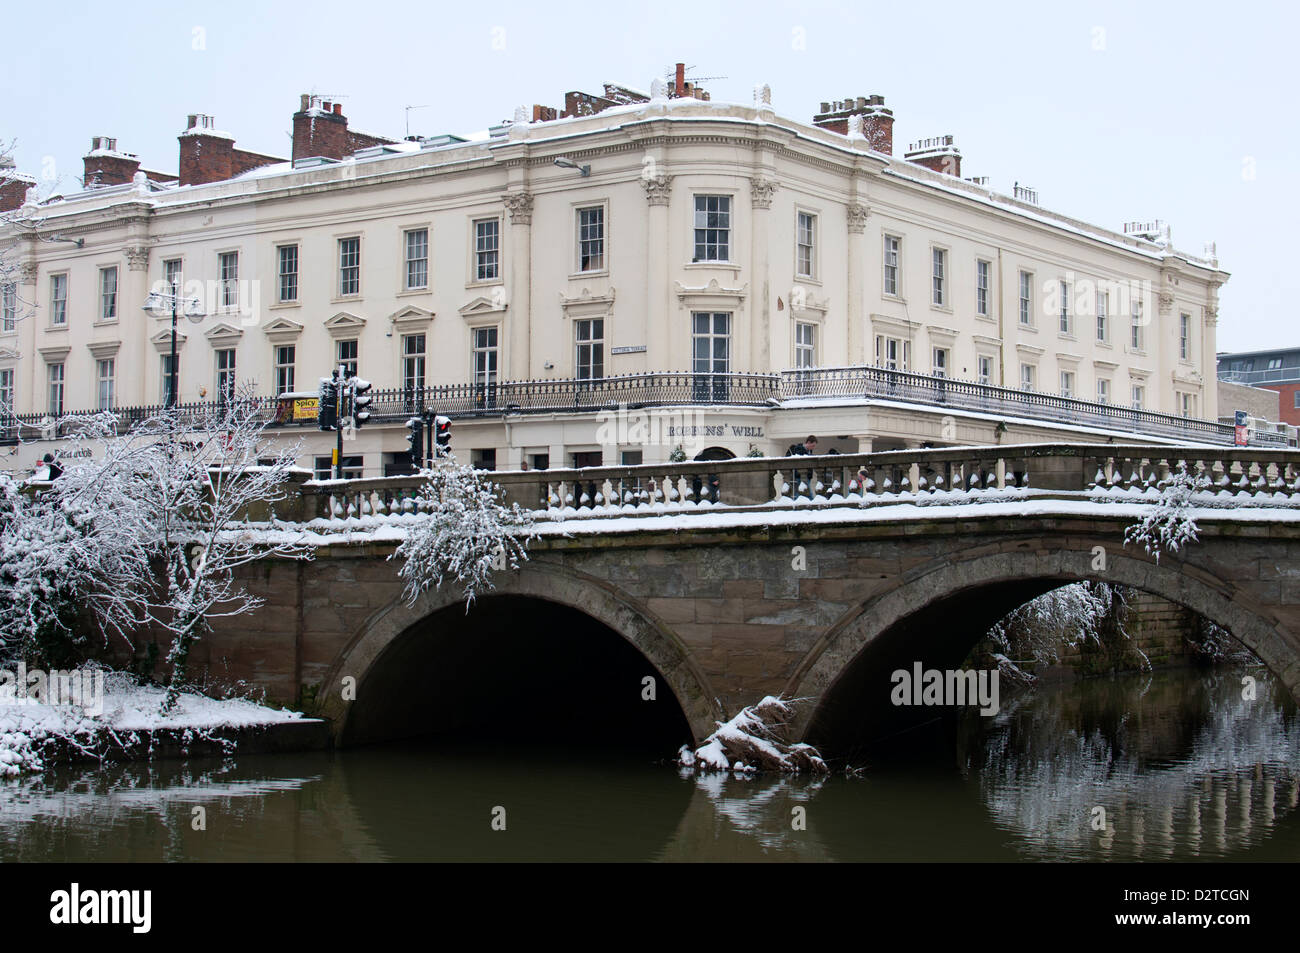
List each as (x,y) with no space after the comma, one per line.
(728,581)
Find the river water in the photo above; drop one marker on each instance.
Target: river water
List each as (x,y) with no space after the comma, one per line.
(1182,765)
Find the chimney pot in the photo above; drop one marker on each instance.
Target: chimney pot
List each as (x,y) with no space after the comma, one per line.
(110,169)
(877,125)
(321,135)
(304,101)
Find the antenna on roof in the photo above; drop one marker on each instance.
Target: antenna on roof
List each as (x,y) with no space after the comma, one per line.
(672,72)
(408,116)
(672,75)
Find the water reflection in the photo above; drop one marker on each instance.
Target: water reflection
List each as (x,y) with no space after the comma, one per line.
(1185,768)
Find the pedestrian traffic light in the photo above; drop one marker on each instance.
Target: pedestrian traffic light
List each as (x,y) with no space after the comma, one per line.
(361,401)
(327,411)
(442,430)
(415,440)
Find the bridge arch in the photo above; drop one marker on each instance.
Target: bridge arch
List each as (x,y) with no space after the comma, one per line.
(981,587)
(547,583)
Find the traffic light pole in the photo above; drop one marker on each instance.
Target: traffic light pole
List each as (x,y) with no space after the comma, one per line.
(338,427)
(430,447)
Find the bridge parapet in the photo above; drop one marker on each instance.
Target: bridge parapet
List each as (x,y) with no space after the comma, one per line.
(1247,476)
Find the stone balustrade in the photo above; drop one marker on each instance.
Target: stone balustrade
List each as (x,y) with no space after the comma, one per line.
(952,475)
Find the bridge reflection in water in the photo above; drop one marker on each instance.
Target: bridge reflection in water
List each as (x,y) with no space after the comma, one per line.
(1182,768)
(1186,769)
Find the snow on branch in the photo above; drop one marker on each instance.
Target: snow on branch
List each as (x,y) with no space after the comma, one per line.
(754,740)
(146,534)
(73,549)
(463,533)
(1170,526)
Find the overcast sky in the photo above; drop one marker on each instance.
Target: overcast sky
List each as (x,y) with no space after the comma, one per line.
(1178,111)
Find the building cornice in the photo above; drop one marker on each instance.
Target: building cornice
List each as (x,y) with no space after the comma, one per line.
(652,126)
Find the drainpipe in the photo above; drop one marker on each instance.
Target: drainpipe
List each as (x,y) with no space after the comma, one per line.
(1002,348)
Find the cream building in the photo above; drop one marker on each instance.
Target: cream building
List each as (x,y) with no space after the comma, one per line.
(716,260)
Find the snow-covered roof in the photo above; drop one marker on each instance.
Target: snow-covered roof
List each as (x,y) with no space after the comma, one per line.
(111,154)
(687,109)
(204,131)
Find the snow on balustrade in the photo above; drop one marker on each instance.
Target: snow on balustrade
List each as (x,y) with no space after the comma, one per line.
(1237,479)
(1240,479)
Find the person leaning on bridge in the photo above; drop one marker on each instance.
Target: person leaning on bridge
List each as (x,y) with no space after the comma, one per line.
(807,448)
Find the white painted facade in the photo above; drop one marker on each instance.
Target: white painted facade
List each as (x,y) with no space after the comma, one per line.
(839,299)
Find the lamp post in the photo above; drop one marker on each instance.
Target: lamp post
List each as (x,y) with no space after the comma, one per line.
(153,305)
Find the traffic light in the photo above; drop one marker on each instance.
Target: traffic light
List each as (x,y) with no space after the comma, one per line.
(361,401)
(415,440)
(327,410)
(442,431)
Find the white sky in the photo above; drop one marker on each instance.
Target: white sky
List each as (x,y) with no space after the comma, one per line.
(1178,111)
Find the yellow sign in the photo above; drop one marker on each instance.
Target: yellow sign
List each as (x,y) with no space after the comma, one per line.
(306,408)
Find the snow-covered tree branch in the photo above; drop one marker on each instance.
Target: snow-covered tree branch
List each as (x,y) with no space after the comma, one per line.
(1170,526)
(464,533)
(147,534)
(204,476)
(754,740)
(74,550)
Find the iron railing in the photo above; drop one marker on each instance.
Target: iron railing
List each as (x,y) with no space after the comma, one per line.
(663,389)
(879,383)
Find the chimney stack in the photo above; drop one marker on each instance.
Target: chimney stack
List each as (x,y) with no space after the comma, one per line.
(938,154)
(13,185)
(320,130)
(104,165)
(877,120)
(207,155)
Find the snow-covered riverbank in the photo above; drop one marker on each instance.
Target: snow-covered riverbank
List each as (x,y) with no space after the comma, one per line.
(127,721)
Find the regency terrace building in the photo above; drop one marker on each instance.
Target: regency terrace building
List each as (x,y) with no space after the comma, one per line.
(746,277)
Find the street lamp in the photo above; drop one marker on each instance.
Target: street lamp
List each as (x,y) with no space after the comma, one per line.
(155,303)
(564,162)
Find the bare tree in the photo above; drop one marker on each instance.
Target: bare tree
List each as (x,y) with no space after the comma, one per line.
(205,476)
(149,534)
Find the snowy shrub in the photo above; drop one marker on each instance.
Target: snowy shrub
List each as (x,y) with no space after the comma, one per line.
(463,534)
(1169,526)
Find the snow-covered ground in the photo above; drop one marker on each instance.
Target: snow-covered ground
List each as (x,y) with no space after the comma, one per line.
(27,726)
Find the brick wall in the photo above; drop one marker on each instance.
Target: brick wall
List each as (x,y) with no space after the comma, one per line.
(112,170)
(12,193)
